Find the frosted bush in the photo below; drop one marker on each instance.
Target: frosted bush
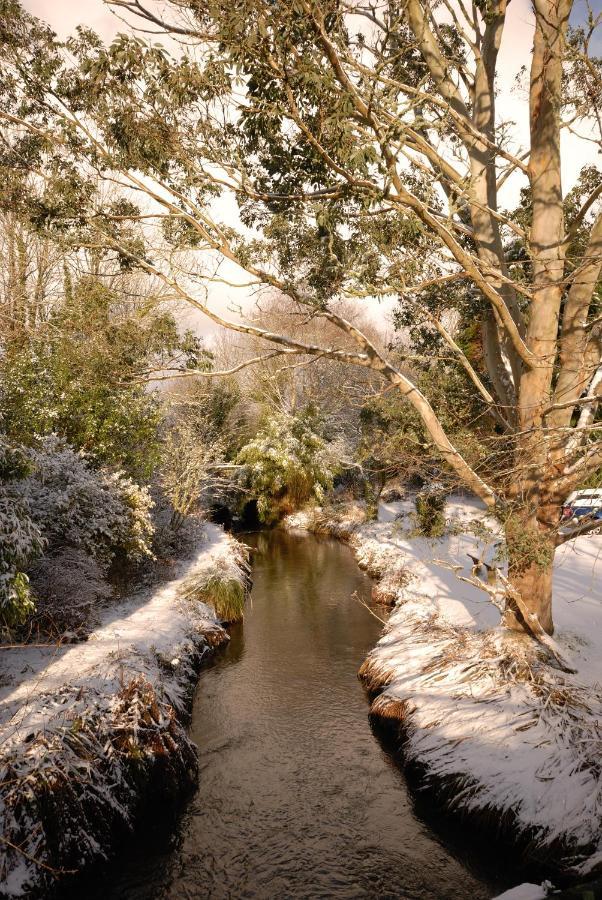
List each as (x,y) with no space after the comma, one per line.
(74,505)
(287,463)
(68,588)
(20,540)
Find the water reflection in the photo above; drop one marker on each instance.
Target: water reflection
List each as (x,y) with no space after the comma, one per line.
(297,798)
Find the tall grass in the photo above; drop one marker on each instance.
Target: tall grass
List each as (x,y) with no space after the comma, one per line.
(226,595)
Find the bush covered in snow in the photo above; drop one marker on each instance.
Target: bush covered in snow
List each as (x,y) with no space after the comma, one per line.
(287,463)
(68,589)
(430,510)
(100,512)
(20,540)
(52,500)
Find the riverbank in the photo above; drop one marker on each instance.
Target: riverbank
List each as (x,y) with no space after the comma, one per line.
(92,735)
(499,734)
(297,797)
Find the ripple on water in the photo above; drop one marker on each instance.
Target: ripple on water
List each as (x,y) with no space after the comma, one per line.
(296,797)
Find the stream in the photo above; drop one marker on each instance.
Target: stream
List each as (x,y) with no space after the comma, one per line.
(297,796)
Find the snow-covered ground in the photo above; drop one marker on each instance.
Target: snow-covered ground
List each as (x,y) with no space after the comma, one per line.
(499,732)
(84,714)
(577,577)
(526,891)
(133,638)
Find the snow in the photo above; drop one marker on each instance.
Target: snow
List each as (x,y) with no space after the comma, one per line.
(388,512)
(525,891)
(578,603)
(145,650)
(577,577)
(131,638)
(390,543)
(484,710)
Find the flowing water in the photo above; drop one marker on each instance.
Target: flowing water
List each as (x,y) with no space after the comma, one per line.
(297,798)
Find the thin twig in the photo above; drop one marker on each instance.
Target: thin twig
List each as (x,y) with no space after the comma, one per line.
(356,596)
(37,861)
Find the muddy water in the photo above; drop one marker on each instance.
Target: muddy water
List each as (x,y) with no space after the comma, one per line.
(297,798)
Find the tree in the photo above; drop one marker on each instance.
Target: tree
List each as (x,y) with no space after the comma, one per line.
(30,274)
(287,463)
(201,433)
(190,458)
(81,371)
(362,143)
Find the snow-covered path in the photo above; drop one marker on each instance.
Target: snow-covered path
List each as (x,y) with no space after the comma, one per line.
(134,636)
(90,731)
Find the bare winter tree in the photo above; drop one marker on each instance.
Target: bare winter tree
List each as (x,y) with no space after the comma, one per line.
(361,143)
(30,275)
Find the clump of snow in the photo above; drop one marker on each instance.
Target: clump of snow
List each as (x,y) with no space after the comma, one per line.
(527,891)
(82,723)
(297,521)
(394,509)
(485,712)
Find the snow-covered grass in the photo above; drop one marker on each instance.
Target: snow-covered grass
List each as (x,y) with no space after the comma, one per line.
(526,891)
(87,730)
(498,731)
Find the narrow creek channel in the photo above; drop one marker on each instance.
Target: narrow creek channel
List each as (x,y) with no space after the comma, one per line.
(297,798)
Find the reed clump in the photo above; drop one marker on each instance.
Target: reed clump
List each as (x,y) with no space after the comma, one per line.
(226,596)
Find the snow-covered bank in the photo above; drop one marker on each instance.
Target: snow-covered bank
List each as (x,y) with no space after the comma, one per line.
(92,733)
(498,732)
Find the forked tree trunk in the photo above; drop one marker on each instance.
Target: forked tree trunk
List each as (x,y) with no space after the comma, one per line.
(530,565)
(534,585)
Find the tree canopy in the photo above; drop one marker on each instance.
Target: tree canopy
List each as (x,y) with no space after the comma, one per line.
(362,146)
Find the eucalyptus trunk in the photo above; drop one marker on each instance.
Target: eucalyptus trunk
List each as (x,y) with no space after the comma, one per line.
(530,546)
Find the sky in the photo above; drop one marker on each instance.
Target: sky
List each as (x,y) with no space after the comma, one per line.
(65,15)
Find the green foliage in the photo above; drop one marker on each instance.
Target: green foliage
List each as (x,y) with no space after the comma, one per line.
(212,410)
(78,377)
(187,460)
(286,464)
(155,114)
(525,545)
(594,481)
(430,510)
(394,439)
(39,397)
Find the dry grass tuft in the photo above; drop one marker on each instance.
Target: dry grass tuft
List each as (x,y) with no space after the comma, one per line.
(226,596)
(224,586)
(216,636)
(373,676)
(388,708)
(384,593)
(339,521)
